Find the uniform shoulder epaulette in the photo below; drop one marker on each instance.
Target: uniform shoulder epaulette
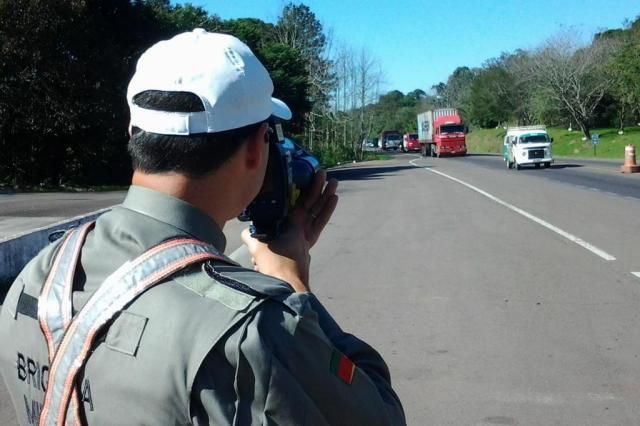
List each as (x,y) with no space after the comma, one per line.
(233,286)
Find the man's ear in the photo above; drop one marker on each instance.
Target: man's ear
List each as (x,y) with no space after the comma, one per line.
(255,147)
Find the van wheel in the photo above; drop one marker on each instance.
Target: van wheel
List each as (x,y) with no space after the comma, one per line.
(537,165)
(547,165)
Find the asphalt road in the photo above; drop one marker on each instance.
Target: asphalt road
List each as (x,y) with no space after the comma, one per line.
(591,174)
(497,297)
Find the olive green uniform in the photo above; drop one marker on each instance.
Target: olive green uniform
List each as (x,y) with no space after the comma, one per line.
(219,345)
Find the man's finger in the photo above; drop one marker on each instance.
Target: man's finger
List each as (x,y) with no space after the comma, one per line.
(315,190)
(329,190)
(322,219)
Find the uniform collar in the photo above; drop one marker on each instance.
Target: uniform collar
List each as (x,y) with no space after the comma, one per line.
(175,212)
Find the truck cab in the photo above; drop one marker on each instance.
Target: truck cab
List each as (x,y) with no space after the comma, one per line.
(441,132)
(449,136)
(527,145)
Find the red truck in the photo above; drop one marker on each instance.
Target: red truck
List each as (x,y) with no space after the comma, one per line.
(441,132)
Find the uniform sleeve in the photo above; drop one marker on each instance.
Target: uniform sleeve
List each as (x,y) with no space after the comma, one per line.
(294,366)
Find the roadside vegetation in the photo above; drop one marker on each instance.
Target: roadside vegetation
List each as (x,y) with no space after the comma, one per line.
(565,143)
(63,115)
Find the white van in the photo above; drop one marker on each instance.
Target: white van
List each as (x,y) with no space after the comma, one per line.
(527,145)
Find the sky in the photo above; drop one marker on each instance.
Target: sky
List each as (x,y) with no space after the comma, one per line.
(419,43)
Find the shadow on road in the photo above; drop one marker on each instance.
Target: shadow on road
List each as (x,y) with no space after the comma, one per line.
(365,173)
(565,166)
(483,155)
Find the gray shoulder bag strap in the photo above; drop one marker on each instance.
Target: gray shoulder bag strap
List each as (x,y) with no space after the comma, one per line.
(71,338)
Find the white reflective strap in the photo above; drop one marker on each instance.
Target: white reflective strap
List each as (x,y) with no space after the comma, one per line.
(117,291)
(54,303)
(169,123)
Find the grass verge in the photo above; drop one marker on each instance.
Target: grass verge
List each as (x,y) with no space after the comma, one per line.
(565,144)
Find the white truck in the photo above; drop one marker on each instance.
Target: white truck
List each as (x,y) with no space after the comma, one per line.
(527,145)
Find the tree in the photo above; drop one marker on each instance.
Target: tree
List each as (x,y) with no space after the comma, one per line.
(62,112)
(458,89)
(519,87)
(489,102)
(573,75)
(298,28)
(624,70)
(287,70)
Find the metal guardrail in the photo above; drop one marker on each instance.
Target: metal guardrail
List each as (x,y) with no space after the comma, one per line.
(17,250)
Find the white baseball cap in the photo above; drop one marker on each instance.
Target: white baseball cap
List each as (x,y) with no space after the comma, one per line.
(235,88)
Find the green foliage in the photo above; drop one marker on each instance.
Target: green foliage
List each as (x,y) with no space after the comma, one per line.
(395,111)
(625,70)
(61,89)
(299,28)
(64,69)
(489,102)
(253,32)
(287,69)
(334,154)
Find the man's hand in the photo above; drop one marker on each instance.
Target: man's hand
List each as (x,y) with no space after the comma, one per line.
(287,257)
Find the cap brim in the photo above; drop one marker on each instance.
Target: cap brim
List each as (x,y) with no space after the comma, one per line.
(280,109)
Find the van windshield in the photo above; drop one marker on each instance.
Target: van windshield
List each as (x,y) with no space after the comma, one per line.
(534,138)
(455,128)
(393,137)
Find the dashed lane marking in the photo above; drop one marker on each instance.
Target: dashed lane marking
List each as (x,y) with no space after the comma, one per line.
(584,244)
(636,274)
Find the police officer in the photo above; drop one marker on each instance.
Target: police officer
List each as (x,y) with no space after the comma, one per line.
(139,318)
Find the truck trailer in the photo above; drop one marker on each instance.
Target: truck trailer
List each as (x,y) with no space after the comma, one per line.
(441,132)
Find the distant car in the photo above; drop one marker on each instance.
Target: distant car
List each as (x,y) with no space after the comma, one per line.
(369,144)
(410,142)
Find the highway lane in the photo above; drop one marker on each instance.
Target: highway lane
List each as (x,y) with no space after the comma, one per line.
(595,175)
(484,315)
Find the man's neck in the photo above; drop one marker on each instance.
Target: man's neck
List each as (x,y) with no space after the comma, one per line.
(201,193)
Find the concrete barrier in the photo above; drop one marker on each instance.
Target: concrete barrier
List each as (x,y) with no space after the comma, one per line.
(17,250)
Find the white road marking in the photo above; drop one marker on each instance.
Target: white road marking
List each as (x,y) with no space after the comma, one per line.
(595,250)
(636,274)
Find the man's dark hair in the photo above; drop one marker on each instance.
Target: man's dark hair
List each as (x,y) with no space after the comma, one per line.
(192,155)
